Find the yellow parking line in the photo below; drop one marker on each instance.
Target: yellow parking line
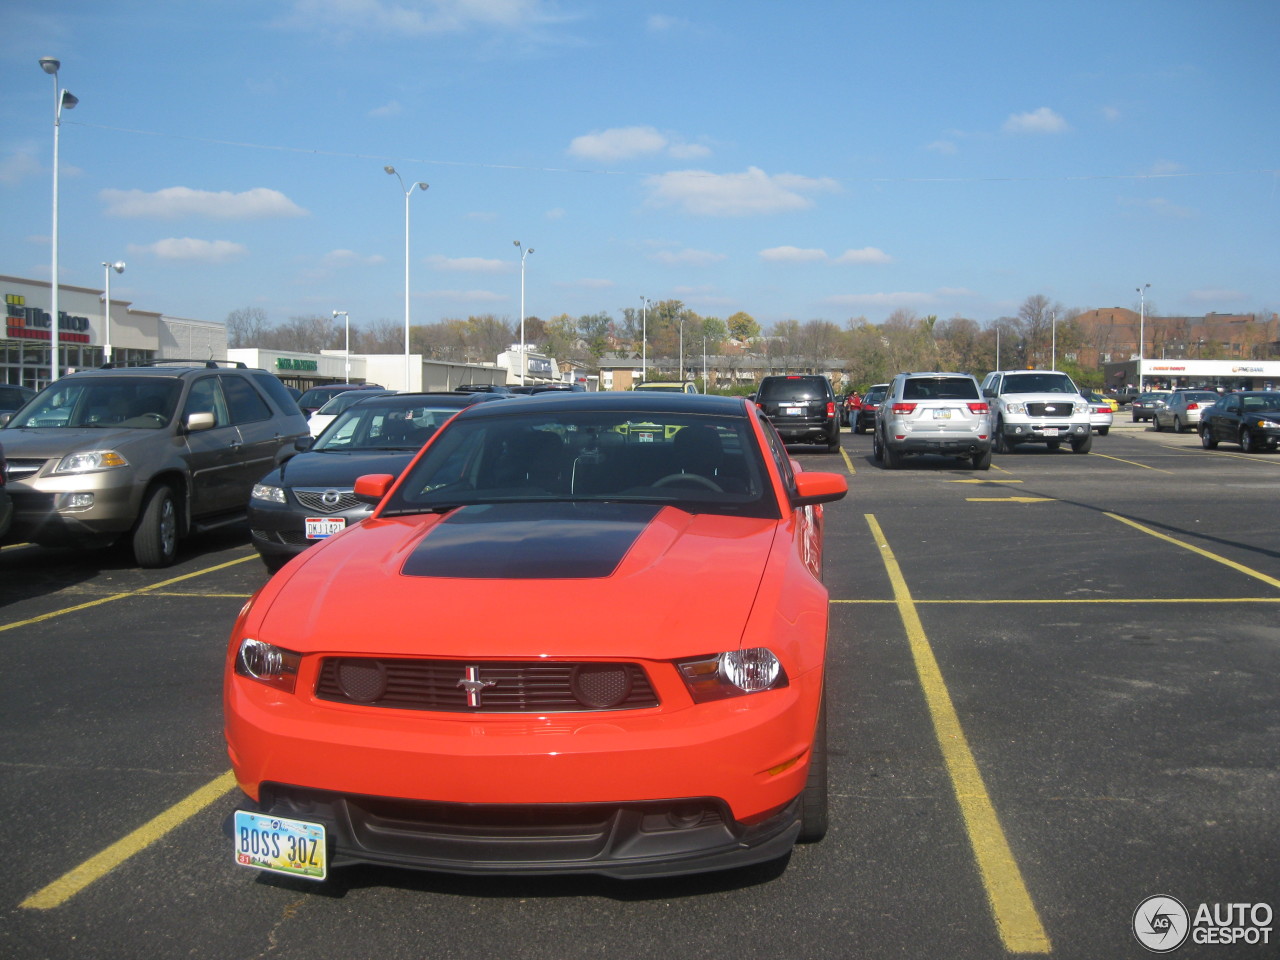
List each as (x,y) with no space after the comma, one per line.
(1247,571)
(1012,908)
(1132,463)
(847,462)
(121,596)
(97,866)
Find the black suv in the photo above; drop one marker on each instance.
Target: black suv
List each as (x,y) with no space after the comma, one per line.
(149,453)
(802,408)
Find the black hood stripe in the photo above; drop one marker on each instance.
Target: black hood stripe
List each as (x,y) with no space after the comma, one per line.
(531,541)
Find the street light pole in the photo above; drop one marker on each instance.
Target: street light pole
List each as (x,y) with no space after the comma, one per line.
(1142,324)
(1053,350)
(524,355)
(346,322)
(644,339)
(408,191)
(118,267)
(61,98)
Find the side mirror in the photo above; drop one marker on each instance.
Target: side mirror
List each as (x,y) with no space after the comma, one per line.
(372,487)
(303,444)
(818,488)
(200,421)
(5,418)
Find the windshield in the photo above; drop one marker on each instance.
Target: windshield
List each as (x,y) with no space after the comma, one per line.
(146,403)
(1038,383)
(1261,403)
(702,464)
(383,426)
(346,399)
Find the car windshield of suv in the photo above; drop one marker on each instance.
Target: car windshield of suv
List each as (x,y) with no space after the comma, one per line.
(383,426)
(1037,383)
(703,464)
(793,388)
(146,403)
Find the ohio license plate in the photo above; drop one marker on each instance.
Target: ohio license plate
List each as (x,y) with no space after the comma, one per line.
(280,845)
(1051,431)
(794,411)
(320,527)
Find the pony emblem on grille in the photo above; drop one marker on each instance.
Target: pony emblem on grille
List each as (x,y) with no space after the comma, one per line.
(474,685)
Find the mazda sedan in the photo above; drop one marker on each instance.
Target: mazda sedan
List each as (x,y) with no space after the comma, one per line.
(579,634)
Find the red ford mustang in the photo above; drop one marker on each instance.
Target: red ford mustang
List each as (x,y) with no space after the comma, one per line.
(579,634)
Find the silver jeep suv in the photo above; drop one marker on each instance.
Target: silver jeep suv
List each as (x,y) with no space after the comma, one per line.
(943,413)
(152,453)
(1037,406)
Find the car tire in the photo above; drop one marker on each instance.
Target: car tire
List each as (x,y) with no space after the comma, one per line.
(833,442)
(999,442)
(877,452)
(892,459)
(1082,444)
(1053,445)
(813,799)
(1103,431)
(1247,443)
(982,460)
(1206,439)
(1179,426)
(155,536)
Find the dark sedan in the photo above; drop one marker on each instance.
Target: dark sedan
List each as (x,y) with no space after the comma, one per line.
(871,400)
(310,496)
(1251,419)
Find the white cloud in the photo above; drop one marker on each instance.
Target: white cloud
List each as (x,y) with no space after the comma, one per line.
(587,283)
(880,299)
(1158,206)
(865,255)
(469,264)
(735,194)
(186,248)
(349,258)
(1217,296)
(18,166)
(415,18)
(174,202)
(556,213)
(1111,114)
(693,258)
(1042,120)
(792,255)
(662,23)
(1163,168)
(688,151)
(469,296)
(390,109)
(945,147)
(619,143)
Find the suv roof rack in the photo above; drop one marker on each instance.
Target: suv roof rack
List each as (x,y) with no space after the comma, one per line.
(212,364)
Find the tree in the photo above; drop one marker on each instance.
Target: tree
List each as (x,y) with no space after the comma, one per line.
(303,335)
(245,327)
(742,326)
(594,330)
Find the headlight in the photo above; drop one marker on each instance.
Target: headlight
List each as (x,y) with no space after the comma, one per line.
(269,664)
(92,460)
(1268,425)
(1018,408)
(732,674)
(264,491)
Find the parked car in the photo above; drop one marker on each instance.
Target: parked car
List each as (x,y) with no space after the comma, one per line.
(669,386)
(1250,418)
(13,396)
(310,497)
(1182,409)
(315,398)
(336,404)
(411,691)
(1144,405)
(1037,406)
(6,504)
(149,453)
(802,408)
(1101,412)
(933,413)
(869,407)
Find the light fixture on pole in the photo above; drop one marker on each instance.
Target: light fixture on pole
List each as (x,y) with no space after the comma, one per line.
(644,339)
(1142,323)
(118,267)
(408,192)
(61,98)
(524,355)
(346,322)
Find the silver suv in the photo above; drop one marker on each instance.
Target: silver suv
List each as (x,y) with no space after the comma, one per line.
(151,453)
(1037,406)
(941,413)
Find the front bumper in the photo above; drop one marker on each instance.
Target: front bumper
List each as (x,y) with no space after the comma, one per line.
(1042,431)
(43,515)
(278,531)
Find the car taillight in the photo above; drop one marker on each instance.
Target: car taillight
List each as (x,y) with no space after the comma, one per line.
(904,407)
(979,408)
(831,409)
(1193,406)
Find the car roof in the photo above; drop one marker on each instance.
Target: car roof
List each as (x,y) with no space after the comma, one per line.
(617,401)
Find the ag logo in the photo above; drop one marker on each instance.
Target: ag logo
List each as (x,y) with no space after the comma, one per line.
(1161,923)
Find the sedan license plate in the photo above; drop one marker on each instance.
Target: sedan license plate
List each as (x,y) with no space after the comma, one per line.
(280,845)
(320,527)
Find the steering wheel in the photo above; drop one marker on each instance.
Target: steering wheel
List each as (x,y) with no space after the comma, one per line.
(695,478)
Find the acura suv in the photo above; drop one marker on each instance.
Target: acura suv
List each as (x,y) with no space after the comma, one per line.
(149,453)
(939,413)
(802,408)
(1037,406)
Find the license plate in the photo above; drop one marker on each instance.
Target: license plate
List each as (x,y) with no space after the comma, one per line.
(320,527)
(1051,431)
(794,411)
(295,847)
(942,414)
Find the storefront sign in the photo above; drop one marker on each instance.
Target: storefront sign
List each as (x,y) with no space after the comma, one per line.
(32,323)
(289,363)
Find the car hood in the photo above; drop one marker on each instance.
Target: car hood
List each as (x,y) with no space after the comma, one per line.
(49,442)
(320,469)
(497,582)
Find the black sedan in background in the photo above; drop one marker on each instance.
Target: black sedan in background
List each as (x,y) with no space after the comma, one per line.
(1250,418)
(866,419)
(310,496)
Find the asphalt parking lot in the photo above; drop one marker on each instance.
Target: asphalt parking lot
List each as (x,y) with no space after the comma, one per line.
(1053,695)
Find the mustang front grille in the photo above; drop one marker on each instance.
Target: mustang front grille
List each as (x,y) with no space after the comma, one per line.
(459,686)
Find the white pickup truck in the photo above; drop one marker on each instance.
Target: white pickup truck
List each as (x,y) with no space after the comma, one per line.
(1037,406)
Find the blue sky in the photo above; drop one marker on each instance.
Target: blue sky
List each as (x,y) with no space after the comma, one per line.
(803,160)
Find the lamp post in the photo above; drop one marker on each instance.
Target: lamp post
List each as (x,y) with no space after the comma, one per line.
(1142,324)
(346,322)
(681,377)
(524,356)
(1053,340)
(644,339)
(118,267)
(408,192)
(61,98)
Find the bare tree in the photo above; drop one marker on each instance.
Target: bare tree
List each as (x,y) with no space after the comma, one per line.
(245,327)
